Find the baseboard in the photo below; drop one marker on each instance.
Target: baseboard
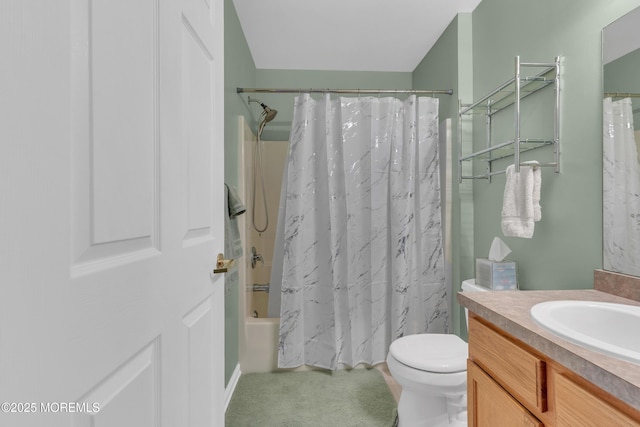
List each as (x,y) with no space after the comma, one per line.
(231,386)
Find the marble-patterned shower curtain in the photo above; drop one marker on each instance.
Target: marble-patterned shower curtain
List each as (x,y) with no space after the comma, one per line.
(360,248)
(621,189)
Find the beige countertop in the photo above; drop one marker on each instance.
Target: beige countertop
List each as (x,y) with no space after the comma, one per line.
(509,310)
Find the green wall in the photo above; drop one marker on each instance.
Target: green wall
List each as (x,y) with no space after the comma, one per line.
(238,70)
(448,65)
(567,244)
(620,76)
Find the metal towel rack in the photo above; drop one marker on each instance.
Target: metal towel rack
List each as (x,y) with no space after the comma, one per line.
(509,95)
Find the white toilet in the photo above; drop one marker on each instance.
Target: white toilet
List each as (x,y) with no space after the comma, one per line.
(432,370)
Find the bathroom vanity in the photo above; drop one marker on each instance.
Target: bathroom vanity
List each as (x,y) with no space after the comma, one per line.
(519,374)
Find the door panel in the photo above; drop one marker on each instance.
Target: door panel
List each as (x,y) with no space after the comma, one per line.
(115,135)
(200,330)
(129,396)
(123,137)
(197,110)
(111,212)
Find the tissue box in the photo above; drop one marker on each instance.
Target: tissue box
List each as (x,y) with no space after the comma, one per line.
(497,275)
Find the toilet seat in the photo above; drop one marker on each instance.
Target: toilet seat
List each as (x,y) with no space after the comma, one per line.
(440,353)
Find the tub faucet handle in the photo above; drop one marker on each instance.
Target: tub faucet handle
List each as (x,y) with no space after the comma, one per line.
(255,257)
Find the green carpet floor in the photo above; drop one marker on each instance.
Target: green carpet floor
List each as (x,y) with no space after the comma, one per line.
(355,398)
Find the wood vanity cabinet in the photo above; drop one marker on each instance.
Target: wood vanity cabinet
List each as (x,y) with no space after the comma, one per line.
(510,384)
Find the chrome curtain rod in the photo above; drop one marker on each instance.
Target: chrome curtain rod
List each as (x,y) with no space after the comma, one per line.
(621,95)
(347,91)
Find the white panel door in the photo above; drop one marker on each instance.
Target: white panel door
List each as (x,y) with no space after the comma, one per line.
(111,213)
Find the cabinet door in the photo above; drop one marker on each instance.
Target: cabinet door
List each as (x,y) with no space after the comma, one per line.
(576,406)
(519,371)
(491,406)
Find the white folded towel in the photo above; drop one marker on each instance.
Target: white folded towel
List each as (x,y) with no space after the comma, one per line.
(521,202)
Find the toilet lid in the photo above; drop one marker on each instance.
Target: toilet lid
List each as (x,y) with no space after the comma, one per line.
(444,353)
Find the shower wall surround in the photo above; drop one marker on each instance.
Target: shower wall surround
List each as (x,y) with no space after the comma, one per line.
(361,248)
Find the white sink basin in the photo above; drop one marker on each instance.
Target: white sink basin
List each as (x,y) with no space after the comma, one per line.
(613,329)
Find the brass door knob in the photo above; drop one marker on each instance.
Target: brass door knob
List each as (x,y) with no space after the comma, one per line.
(223,265)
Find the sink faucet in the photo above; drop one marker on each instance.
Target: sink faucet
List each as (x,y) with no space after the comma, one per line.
(255,257)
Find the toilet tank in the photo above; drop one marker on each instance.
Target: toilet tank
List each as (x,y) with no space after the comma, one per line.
(469,285)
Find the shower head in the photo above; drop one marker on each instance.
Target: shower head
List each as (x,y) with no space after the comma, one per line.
(267,114)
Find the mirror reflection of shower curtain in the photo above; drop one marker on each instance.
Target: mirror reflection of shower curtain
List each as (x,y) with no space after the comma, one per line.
(359,247)
(621,189)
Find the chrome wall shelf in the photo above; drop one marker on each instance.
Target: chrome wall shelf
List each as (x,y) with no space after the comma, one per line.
(509,95)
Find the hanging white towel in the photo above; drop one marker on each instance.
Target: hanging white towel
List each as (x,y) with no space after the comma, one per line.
(521,202)
(537,182)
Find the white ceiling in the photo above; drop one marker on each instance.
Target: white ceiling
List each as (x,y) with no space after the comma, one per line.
(355,35)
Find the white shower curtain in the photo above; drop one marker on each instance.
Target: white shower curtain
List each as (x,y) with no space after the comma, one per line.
(359,251)
(621,189)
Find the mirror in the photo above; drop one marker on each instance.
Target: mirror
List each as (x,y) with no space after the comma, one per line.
(621,165)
